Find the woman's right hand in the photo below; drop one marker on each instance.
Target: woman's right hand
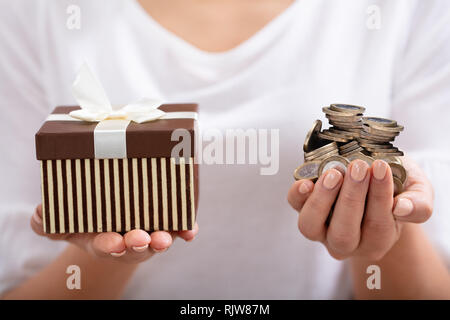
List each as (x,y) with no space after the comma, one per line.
(133,247)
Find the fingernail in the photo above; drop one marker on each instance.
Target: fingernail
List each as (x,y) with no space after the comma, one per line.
(403,207)
(160,250)
(118,254)
(37,218)
(140,249)
(358,170)
(379,169)
(332,179)
(304,188)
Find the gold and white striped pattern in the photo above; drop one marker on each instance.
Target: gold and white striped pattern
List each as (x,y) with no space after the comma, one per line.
(99,195)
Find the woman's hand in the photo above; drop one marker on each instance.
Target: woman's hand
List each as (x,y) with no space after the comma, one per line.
(367,219)
(135,246)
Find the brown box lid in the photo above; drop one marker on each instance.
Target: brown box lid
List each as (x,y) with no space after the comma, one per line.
(75,139)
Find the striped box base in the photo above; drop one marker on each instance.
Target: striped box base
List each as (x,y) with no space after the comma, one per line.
(92,195)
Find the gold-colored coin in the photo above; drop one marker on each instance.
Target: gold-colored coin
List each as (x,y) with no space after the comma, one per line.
(398,185)
(347,125)
(321,154)
(351,136)
(381,150)
(344,134)
(393,129)
(354,130)
(375,138)
(311,139)
(349,145)
(327,155)
(348,153)
(389,159)
(341,114)
(376,146)
(360,156)
(337,162)
(345,118)
(373,131)
(327,147)
(398,171)
(379,121)
(391,154)
(308,170)
(330,136)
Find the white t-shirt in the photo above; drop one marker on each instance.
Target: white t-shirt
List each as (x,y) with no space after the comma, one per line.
(393,57)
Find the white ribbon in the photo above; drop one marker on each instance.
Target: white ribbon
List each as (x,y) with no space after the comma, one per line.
(110,132)
(95,105)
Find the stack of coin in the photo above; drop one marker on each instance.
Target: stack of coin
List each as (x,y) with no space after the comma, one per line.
(351,136)
(376,136)
(323,152)
(345,120)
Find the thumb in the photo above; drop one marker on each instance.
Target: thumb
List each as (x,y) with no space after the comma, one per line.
(415,204)
(299,193)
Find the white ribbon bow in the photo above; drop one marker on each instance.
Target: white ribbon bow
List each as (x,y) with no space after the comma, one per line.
(95,105)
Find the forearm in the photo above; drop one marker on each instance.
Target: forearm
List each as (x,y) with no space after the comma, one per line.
(412,269)
(100,278)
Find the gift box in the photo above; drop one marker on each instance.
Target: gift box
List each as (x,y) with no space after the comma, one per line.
(115,174)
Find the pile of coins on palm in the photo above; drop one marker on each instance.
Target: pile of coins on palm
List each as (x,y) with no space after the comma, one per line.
(351,136)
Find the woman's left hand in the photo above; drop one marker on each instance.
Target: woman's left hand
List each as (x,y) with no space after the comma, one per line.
(367,219)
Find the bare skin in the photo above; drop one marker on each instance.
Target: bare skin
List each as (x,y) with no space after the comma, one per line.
(370,226)
(214,25)
(109,260)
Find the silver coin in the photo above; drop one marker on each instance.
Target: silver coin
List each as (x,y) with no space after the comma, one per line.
(337,162)
(347,108)
(308,170)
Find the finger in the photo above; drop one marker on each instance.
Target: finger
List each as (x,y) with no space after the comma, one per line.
(109,244)
(379,228)
(299,192)
(416,203)
(36,221)
(161,241)
(37,225)
(188,235)
(344,231)
(313,215)
(137,240)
